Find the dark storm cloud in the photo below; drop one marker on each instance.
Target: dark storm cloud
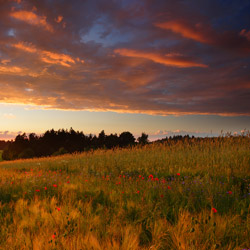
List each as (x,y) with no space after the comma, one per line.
(156,57)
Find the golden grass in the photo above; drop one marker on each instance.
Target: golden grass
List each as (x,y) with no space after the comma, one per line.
(106,200)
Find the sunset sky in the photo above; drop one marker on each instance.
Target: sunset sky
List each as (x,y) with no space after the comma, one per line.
(155,66)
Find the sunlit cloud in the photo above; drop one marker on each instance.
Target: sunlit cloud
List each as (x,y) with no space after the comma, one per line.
(9,116)
(194,32)
(47,56)
(245,33)
(10,70)
(165,60)
(153,59)
(32,19)
(8,135)
(59,19)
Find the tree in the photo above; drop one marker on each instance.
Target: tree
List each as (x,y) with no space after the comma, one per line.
(126,139)
(143,139)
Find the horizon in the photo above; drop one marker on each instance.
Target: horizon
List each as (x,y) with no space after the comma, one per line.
(161,68)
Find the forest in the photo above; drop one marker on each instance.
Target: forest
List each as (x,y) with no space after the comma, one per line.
(53,143)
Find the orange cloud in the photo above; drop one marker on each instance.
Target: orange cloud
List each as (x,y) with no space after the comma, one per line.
(32,19)
(165,60)
(194,33)
(59,19)
(245,33)
(28,48)
(11,70)
(47,56)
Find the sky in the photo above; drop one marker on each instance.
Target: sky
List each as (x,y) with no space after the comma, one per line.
(155,66)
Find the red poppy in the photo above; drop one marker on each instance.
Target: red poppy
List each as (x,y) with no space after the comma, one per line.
(156,179)
(151,176)
(139,176)
(37,190)
(58,208)
(230,192)
(68,181)
(214,210)
(54,185)
(178,174)
(53,236)
(162,195)
(169,187)
(142,178)
(45,188)
(138,191)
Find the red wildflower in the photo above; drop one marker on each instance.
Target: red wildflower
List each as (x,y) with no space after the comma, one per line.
(178,174)
(68,181)
(139,176)
(151,176)
(230,192)
(156,179)
(45,188)
(169,187)
(162,195)
(53,236)
(58,208)
(37,190)
(214,210)
(54,185)
(142,178)
(138,191)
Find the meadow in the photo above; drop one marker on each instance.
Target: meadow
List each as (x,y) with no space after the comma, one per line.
(185,195)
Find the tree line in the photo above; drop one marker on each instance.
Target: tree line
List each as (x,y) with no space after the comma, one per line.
(65,141)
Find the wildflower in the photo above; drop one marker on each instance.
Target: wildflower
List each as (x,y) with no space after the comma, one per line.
(53,236)
(156,179)
(169,187)
(54,185)
(229,192)
(37,190)
(45,188)
(178,174)
(58,208)
(142,178)
(139,176)
(151,176)
(68,181)
(138,191)
(214,210)
(162,195)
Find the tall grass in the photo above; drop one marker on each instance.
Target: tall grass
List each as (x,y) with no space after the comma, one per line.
(185,195)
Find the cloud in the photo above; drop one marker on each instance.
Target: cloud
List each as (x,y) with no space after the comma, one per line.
(32,19)
(48,56)
(59,19)
(186,31)
(189,63)
(9,116)
(160,134)
(8,135)
(165,60)
(204,33)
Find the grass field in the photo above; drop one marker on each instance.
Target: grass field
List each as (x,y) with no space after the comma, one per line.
(183,196)
(1,151)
